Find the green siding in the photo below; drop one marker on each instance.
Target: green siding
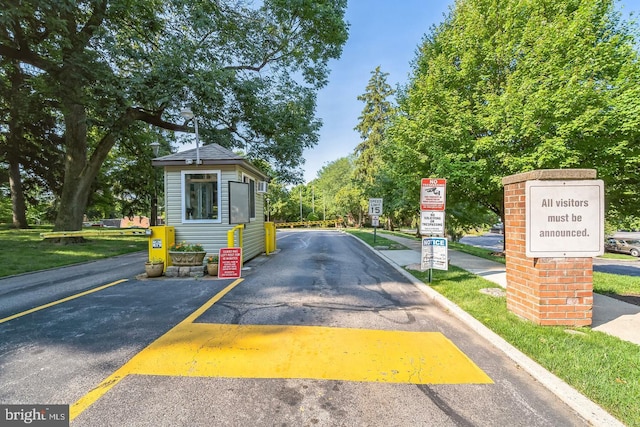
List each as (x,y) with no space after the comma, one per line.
(213,236)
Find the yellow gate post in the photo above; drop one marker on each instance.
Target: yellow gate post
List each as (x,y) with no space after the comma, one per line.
(231,239)
(270,237)
(160,240)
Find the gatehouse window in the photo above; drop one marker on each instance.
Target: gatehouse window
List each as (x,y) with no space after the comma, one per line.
(201,196)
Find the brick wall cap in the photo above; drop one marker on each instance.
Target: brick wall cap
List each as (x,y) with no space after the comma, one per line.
(550,174)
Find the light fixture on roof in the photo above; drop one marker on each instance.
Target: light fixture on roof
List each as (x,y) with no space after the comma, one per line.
(155,146)
(188,114)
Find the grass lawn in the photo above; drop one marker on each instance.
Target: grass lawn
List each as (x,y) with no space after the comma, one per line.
(367,237)
(604,368)
(26,251)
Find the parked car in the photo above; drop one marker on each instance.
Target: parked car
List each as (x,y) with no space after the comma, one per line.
(497,228)
(623,246)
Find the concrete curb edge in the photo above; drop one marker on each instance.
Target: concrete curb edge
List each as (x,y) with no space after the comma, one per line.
(586,408)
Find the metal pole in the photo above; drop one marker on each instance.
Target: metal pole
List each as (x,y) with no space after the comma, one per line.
(300,204)
(154,203)
(195,122)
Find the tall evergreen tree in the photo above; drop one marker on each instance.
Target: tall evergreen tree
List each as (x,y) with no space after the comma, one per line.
(374,120)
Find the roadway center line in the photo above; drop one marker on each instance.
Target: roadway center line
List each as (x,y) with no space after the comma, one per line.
(60,301)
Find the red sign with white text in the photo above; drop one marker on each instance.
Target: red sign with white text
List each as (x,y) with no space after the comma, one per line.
(230,263)
(433,193)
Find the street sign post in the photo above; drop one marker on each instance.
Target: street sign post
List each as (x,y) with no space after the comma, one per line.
(375,207)
(230,263)
(433,194)
(375,210)
(432,222)
(434,254)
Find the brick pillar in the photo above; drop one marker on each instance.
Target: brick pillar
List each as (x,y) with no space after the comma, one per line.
(547,291)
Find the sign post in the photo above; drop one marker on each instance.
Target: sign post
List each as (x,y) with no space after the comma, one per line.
(375,210)
(434,254)
(433,196)
(230,263)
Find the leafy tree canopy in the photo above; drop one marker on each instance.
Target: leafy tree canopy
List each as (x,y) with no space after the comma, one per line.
(502,87)
(248,71)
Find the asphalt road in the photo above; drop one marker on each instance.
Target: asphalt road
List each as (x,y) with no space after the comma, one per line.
(322,333)
(495,242)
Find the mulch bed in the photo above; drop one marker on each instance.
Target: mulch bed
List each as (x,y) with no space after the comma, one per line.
(631,299)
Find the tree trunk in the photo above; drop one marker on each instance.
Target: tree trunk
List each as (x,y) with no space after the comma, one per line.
(80,171)
(18,205)
(77,177)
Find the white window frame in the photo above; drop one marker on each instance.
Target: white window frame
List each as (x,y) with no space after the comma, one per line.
(183,196)
(247,179)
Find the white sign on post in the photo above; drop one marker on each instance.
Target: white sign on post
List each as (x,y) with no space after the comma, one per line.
(432,222)
(434,253)
(375,207)
(564,218)
(375,221)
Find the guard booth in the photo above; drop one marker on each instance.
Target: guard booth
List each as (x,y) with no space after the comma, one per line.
(210,191)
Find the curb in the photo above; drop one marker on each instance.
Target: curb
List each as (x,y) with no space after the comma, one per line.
(587,409)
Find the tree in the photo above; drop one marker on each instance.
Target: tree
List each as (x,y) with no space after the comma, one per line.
(506,87)
(110,64)
(374,120)
(29,140)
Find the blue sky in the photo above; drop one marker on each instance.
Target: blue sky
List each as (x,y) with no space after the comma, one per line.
(383,33)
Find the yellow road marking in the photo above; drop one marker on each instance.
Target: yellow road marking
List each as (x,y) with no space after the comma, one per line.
(113,379)
(311,352)
(60,301)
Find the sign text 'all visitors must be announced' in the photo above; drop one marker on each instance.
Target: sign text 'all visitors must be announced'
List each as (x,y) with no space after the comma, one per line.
(565,218)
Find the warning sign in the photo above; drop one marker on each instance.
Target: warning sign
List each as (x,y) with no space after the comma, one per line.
(433,194)
(432,222)
(434,253)
(230,263)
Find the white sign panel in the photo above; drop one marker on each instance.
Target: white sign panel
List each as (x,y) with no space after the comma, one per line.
(375,221)
(432,222)
(564,218)
(434,253)
(375,206)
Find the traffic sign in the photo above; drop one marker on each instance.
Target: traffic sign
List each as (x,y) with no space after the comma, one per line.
(230,263)
(375,206)
(432,222)
(434,253)
(433,194)
(375,221)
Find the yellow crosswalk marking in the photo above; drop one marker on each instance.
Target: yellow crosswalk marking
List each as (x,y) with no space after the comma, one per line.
(312,352)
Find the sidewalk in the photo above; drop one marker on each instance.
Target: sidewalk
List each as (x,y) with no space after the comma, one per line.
(610,315)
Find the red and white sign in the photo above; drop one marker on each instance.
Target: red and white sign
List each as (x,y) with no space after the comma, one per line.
(230,263)
(433,194)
